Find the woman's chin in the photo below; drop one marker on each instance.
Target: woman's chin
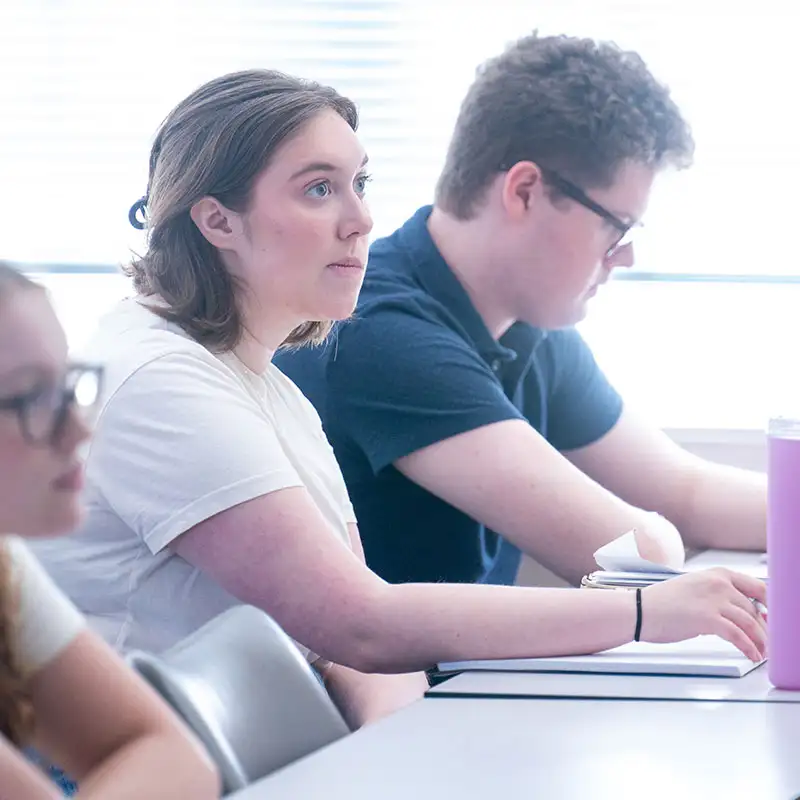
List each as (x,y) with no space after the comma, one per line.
(63,518)
(339,310)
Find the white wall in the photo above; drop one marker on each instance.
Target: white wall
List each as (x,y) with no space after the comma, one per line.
(739,448)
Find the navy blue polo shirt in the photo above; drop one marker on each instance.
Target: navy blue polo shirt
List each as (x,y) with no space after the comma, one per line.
(417,365)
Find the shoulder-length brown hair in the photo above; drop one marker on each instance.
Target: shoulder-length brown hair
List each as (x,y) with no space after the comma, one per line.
(215,143)
(16,708)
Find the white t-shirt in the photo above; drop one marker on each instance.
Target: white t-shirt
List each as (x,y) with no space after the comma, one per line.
(182,435)
(46,621)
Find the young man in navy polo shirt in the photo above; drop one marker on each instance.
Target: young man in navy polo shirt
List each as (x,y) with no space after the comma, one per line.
(469,417)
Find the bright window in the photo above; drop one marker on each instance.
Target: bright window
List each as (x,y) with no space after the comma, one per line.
(85,83)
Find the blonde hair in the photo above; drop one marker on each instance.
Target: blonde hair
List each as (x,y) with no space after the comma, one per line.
(16,708)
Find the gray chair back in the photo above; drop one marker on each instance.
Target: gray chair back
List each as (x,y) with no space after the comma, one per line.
(247,692)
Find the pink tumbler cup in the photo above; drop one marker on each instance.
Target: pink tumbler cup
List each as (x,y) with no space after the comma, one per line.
(783,552)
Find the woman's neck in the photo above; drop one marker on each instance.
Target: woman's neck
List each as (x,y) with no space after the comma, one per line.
(253,354)
(263,331)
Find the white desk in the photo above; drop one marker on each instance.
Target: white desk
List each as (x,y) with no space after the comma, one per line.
(752,688)
(557,750)
(750,563)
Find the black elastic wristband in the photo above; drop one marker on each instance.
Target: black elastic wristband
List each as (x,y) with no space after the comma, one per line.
(638,632)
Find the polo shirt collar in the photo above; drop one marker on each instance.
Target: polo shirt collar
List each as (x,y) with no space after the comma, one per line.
(439,281)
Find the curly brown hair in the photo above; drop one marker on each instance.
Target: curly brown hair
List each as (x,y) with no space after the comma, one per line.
(576,106)
(16,708)
(216,142)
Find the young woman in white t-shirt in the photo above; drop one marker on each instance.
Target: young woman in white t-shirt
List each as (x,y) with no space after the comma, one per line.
(210,481)
(62,689)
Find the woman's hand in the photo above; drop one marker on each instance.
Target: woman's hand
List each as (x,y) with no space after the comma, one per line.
(715,601)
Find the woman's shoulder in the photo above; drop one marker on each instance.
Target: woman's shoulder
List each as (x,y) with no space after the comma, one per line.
(18,557)
(282,385)
(45,620)
(134,343)
(132,334)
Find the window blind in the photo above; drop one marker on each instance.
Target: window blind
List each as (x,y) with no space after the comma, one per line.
(84,84)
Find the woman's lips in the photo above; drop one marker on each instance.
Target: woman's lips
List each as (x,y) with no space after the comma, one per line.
(70,481)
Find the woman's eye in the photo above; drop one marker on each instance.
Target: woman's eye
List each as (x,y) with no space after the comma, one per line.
(319,190)
(361,183)
(44,397)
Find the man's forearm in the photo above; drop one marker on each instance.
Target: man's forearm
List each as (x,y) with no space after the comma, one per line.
(727,509)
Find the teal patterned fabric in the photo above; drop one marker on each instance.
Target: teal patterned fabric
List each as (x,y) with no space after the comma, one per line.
(68,787)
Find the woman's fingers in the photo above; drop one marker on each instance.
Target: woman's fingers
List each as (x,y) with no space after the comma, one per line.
(751,628)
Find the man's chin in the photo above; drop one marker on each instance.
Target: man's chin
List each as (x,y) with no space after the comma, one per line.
(572,317)
(581,308)
(554,318)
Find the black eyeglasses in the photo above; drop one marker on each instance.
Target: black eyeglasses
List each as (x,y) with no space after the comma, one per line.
(574,192)
(43,411)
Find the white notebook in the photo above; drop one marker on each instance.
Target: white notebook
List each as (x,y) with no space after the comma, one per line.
(703,655)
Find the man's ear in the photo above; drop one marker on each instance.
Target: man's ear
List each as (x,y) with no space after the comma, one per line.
(522,188)
(218,224)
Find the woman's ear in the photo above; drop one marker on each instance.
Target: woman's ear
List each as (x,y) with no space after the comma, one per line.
(218,224)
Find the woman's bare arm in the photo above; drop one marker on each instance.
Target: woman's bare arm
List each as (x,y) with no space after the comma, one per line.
(278,553)
(104,726)
(19,779)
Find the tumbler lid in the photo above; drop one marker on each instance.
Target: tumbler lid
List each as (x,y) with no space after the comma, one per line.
(784,427)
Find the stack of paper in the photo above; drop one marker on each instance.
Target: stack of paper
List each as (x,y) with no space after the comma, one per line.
(622,566)
(612,579)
